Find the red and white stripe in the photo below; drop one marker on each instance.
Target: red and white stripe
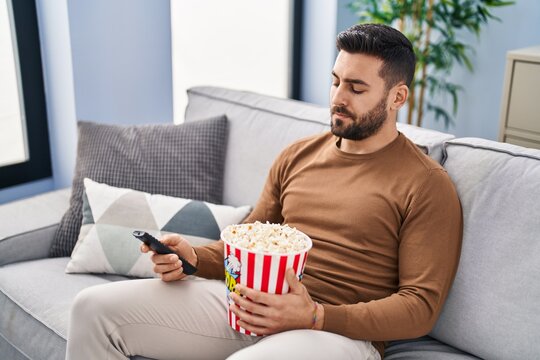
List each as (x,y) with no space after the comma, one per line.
(265,273)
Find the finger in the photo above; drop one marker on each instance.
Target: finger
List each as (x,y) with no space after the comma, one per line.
(171,239)
(259,330)
(294,284)
(250,306)
(165,268)
(144,248)
(252,319)
(174,275)
(255,295)
(164,258)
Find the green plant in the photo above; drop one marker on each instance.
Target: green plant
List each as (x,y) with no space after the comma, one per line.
(433,27)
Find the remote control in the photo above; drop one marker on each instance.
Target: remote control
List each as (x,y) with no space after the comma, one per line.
(161,248)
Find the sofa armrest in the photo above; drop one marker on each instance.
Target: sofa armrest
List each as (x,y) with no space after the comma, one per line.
(27,226)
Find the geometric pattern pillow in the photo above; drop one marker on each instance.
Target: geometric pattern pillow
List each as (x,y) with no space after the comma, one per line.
(111,214)
(185,160)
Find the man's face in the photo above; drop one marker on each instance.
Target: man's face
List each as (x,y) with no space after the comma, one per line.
(358,97)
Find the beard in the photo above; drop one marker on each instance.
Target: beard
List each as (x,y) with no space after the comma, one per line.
(361,126)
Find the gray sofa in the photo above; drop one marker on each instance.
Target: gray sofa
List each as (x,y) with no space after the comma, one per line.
(493,310)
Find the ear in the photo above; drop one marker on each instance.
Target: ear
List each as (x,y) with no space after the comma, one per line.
(398,96)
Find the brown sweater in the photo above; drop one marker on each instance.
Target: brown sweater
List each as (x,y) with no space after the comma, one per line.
(386,230)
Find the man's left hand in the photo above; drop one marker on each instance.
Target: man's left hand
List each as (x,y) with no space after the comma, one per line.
(265,314)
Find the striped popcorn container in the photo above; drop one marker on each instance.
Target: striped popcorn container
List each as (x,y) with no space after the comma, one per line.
(259,271)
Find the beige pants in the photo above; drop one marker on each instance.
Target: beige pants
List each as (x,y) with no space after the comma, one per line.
(184,320)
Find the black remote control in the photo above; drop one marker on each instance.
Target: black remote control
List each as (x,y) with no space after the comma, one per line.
(161,248)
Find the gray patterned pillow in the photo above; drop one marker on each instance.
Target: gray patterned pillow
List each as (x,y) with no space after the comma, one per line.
(184,160)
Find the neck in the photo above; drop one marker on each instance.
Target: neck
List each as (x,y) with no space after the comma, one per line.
(369,145)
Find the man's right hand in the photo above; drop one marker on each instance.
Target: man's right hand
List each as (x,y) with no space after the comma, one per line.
(168,266)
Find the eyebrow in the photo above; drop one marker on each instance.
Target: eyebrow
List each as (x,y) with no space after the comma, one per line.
(352,81)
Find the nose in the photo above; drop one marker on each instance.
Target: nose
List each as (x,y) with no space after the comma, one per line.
(338,96)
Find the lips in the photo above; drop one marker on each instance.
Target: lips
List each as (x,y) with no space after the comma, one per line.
(341,112)
(341,115)
(339,118)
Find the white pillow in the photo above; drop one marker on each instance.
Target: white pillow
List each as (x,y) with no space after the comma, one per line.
(111,214)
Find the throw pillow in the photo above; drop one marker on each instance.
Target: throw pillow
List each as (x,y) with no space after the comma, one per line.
(111,214)
(184,160)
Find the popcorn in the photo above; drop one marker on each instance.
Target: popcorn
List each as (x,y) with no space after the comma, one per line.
(257,256)
(266,237)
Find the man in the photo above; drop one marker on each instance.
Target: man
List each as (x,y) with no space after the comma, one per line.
(386,227)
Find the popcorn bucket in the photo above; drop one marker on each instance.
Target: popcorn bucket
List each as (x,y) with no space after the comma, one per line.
(260,271)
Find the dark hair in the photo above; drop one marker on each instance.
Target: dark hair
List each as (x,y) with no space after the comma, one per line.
(385,43)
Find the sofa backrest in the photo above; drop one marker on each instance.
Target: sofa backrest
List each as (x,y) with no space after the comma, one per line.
(260,126)
(493,309)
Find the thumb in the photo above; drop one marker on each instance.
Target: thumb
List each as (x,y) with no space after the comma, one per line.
(170,239)
(294,284)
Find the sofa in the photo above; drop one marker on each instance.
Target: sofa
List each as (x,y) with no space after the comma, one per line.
(493,309)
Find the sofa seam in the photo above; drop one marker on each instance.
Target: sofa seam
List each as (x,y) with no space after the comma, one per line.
(15,347)
(26,310)
(257,108)
(483,147)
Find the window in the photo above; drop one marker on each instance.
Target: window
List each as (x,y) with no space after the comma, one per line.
(13,146)
(249,45)
(24,140)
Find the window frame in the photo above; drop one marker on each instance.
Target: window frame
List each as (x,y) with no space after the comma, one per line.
(38,166)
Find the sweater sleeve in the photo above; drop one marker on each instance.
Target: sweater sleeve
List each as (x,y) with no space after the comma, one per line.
(429,248)
(268,208)
(210,261)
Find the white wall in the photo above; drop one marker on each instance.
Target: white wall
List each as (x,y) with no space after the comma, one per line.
(319,50)
(104,61)
(480,102)
(122,60)
(59,93)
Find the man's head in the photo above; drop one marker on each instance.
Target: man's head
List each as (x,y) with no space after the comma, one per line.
(387,44)
(373,70)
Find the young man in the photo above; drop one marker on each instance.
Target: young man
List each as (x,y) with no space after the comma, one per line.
(386,227)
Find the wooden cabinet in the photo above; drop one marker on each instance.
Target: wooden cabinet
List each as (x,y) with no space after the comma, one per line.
(520,111)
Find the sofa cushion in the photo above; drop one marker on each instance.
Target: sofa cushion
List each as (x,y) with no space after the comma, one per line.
(35,298)
(175,160)
(8,351)
(493,309)
(23,239)
(111,214)
(260,126)
(430,141)
(424,348)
